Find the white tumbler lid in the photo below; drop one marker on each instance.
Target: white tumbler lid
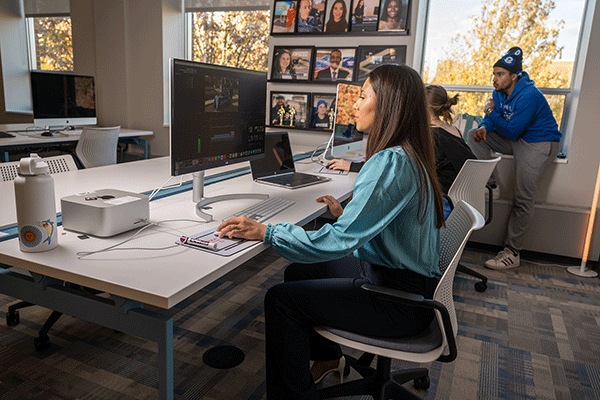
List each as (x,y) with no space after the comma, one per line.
(33,165)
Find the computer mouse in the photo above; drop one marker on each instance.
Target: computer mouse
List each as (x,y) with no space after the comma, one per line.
(47,134)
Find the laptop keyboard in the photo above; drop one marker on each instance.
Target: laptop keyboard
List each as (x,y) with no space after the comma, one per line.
(6,135)
(263,210)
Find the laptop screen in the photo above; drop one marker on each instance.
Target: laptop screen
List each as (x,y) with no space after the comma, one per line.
(278,156)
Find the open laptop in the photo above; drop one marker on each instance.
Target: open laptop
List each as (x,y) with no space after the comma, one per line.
(277,167)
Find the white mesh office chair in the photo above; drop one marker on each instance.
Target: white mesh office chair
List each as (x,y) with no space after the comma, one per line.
(437,342)
(61,163)
(469,186)
(98,146)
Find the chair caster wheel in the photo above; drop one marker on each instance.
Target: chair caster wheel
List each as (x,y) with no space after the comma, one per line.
(12,318)
(480,286)
(41,342)
(422,382)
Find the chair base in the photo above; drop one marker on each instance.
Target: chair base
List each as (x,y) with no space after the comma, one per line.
(479,286)
(379,383)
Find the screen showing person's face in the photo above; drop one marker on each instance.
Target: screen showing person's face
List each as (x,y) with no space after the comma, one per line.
(322,110)
(284,61)
(338,11)
(304,9)
(279,101)
(335,59)
(392,9)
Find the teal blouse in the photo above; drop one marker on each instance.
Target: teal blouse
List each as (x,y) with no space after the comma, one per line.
(379,225)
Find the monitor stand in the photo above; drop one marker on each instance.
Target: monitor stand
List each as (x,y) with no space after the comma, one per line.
(201,201)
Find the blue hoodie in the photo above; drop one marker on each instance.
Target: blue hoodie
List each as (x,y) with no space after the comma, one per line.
(525,114)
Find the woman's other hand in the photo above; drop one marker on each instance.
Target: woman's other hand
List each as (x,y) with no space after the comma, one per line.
(242,227)
(335,208)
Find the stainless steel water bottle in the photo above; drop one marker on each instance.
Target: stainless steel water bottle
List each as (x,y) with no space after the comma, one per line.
(36,206)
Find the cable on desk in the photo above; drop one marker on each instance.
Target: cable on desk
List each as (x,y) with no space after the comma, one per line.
(83,254)
(313,157)
(163,186)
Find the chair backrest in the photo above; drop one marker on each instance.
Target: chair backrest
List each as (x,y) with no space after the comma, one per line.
(56,164)
(469,184)
(98,146)
(465,122)
(463,220)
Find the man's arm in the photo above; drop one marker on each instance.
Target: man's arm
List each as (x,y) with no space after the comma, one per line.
(524,113)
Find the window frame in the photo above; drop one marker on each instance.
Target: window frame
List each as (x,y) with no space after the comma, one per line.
(31,40)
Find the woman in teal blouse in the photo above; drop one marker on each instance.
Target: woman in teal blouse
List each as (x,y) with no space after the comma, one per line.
(391,226)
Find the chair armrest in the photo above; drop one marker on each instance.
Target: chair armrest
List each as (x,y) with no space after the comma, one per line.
(418,300)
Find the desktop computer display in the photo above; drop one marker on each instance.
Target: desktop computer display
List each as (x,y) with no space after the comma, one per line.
(61,99)
(345,138)
(217,115)
(217,118)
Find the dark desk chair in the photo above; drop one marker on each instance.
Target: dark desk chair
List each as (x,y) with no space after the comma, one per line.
(437,342)
(469,186)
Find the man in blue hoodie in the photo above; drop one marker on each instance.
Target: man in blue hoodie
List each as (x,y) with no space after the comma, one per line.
(518,121)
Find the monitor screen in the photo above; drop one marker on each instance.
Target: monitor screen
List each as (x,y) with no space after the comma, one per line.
(345,136)
(61,98)
(217,115)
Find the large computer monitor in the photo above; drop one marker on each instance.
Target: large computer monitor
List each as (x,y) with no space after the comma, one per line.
(344,138)
(62,99)
(217,118)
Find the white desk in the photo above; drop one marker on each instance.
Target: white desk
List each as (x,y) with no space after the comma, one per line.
(35,139)
(133,278)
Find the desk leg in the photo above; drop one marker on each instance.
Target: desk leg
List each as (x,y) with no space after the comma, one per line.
(6,159)
(125,316)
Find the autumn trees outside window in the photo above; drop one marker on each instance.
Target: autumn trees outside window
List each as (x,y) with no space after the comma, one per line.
(51,43)
(464,39)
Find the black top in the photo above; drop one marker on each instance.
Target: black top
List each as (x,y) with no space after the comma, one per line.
(451,152)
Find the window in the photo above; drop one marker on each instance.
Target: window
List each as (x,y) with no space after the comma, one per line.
(51,43)
(464,39)
(233,38)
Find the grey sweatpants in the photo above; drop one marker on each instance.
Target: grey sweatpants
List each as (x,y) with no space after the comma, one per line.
(531,159)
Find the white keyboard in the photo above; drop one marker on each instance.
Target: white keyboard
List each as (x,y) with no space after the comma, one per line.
(263,210)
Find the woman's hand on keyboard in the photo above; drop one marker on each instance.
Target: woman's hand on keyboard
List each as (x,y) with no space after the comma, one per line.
(242,227)
(335,208)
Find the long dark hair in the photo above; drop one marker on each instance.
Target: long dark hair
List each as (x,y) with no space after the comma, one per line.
(403,120)
(384,12)
(343,24)
(277,66)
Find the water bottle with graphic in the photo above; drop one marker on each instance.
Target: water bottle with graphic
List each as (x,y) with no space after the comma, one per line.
(36,207)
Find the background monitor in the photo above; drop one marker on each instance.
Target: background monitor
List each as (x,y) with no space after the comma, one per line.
(218,118)
(345,138)
(62,98)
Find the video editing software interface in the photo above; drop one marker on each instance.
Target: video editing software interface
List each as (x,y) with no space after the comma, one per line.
(217,116)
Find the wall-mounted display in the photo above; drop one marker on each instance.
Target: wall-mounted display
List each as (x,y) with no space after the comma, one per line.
(289,110)
(365,14)
(393,15)
(370,57)
(291,63)
(322,114)
(284,16)
(337,16)
(311,16)
(334,64)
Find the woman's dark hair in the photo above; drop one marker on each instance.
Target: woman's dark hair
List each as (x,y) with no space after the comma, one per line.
(277,66)
(440,105)
(403,120)
(384,13)
(343,24)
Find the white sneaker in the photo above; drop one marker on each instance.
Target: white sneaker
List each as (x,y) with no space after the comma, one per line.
(506,259)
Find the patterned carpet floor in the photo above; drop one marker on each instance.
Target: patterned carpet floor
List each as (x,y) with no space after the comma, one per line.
(534,334)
